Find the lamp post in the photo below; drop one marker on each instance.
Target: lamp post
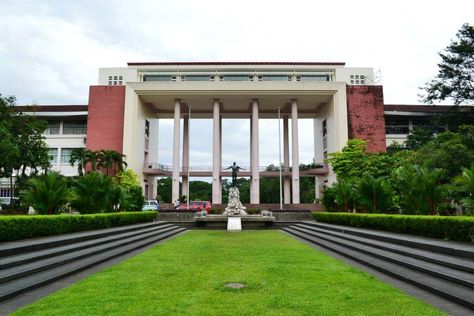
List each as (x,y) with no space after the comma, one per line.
(279,158)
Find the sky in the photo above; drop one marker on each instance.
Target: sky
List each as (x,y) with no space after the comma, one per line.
(50,51)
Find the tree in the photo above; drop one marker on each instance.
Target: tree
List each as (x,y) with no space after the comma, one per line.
(467,182)
(47,193)
(93,158)
(375,194)
(164,189)
(22,143)
(455,78)
(129,184)
(446,151)
(345,192)
(93,193)
(78,155)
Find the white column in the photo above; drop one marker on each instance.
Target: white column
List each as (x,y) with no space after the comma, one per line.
(286,162)
(255,180)
(216,168)
(176,138)
(295,170)
(185,185)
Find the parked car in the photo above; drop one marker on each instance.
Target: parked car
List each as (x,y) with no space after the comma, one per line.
(196,206)
(151,205)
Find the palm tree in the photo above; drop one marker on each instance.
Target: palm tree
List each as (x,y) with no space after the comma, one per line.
(107,159)
(93,193)
(119,161)
(468,184)
(78,155)
(431,191)
(375,193)
(46,193)
(93,158)
(345,194)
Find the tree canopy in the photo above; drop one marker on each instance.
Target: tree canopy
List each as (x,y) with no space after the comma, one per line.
(455,78)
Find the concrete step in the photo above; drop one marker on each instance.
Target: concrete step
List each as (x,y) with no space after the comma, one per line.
(453,248)
(16,260)
(21,246)
(33,281)
(51,262)
(455,262)
(447,289)
(460,277)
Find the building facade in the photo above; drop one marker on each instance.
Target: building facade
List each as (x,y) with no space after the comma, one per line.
(125,108)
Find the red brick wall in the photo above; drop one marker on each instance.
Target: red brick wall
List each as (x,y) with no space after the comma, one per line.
(105,118)
(365,110)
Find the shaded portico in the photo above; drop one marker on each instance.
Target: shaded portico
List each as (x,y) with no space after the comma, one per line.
(260,100)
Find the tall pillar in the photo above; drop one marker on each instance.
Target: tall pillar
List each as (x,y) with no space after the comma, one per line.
(176,138)
(255,180)
(295,170)
(286,162)
(216,150)
(185,185)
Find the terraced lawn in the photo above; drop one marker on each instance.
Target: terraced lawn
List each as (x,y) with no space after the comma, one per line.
(186,276)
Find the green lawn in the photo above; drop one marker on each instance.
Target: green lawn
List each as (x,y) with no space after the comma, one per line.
(186,276)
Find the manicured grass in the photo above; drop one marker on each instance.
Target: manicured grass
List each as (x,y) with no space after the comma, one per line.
(186,276)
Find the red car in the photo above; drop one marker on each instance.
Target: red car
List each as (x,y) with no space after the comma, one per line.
(196,206)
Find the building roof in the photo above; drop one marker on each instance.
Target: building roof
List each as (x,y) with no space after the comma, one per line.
(426,108)
(51,108)
(235,63)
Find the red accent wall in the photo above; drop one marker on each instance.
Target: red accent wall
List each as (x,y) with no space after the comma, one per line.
(365,110)
(105,118)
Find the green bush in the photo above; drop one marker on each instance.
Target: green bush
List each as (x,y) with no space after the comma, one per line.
(21,227)
(459,228)
(253,211)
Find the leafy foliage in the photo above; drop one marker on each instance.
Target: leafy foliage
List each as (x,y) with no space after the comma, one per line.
(468,185)
(375,194)
(21,227)
(47,193)
(455,77)
(459,228)
(93,193)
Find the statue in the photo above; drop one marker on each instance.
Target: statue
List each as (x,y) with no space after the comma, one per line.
(235,207)
(235,169)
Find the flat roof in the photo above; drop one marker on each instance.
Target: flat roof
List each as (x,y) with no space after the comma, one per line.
(235,63)
(425,108)
(50,108)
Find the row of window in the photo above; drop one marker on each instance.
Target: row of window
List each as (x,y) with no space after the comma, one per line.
(115,80)
(4,192)
(236,78)
(396,125)
(357,79)
(64,153)
(68,128)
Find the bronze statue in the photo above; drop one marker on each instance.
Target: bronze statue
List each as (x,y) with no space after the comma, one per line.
(235,169)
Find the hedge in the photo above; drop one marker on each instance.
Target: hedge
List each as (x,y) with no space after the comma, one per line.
(460,228)
(22,226)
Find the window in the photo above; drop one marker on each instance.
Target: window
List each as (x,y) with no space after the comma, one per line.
(4,192)
(147,128)
(115,80)
(52,128)
(74,128)
(397,125)
(274,78)
(237,78)
(325,128)
(357,79)
(197,78)
(158,78)
(53,155)
(66,154)
(314,78)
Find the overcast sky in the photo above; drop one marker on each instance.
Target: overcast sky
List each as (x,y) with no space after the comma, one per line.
(50,51)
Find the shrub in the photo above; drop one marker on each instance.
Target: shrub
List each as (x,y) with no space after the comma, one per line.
(375,194)
(93,193)
(253,211)
(459,228)
(47,193)
(20,227)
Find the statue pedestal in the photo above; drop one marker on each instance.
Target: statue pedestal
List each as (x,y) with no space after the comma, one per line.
(234,224)
(235,207)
